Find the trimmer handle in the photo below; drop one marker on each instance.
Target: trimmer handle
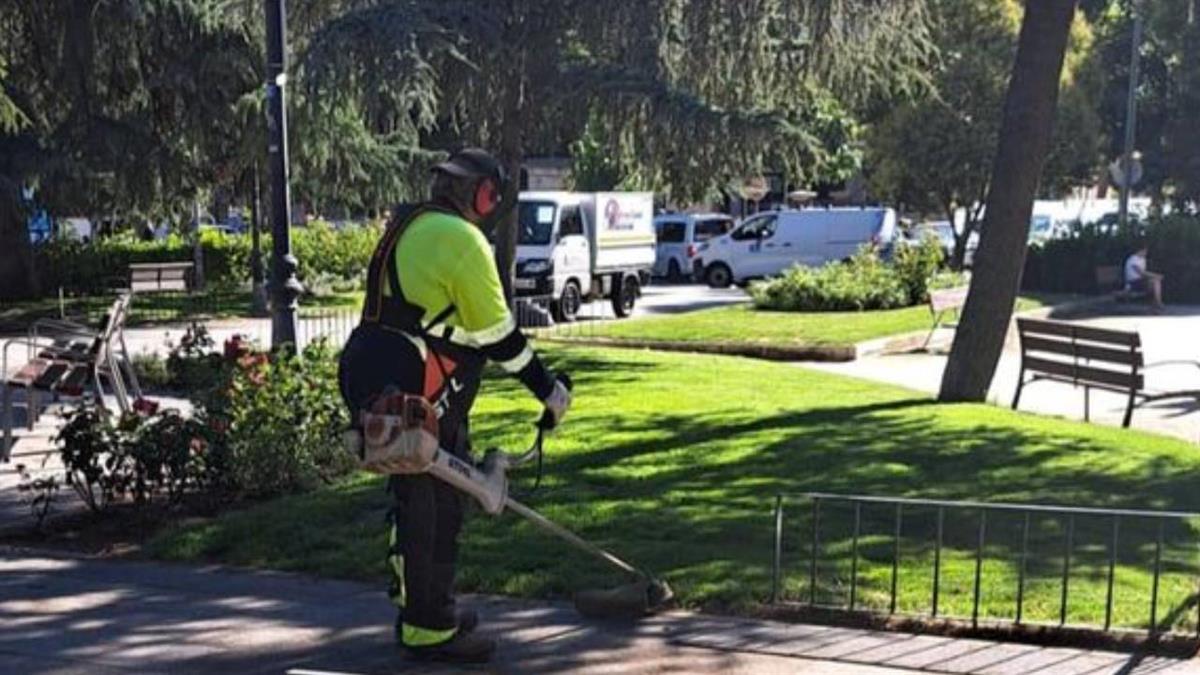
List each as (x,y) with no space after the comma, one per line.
(546,423)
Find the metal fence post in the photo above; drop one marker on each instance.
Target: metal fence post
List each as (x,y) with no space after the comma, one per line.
(978,567)
(1112,569)
(854,555)
(896,555)
(1066,574)
(812,566)
(1021,569)
(1158,544)
(937,561)
(777,570)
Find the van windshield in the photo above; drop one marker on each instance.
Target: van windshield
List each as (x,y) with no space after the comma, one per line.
(535,222)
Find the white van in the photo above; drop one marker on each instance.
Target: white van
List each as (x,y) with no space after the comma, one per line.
(678,236)
(578,246)
(766,244)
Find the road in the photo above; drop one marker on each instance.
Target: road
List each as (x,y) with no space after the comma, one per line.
(668,299)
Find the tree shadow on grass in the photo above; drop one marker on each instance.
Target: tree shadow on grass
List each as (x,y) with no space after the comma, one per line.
(693,494)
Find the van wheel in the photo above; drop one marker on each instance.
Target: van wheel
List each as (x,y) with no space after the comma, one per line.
(566,308)
(674,274)
(718,276)
(625,298)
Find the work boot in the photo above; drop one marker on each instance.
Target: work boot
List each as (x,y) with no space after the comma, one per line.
(468,619)
(462,648)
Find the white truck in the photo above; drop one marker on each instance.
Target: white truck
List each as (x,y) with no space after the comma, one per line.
(573,247)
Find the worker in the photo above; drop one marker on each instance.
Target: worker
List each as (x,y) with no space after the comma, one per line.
(434,313)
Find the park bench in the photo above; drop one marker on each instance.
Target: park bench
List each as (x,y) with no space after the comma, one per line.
(1111,280)
(66,359)
(941,303)
(1094,358)
(164,276)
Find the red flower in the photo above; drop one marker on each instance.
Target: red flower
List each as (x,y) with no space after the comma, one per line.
(197,446)
(236,347)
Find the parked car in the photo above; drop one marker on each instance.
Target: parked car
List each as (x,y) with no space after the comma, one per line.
(768,243)
(679,234)
(941,229)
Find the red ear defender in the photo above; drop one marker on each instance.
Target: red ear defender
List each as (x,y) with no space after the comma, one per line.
(487,197)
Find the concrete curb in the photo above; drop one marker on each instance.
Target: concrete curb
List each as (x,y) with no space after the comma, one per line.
(828,353)
(905,342)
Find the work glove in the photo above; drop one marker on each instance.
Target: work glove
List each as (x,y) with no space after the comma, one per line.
(557,403)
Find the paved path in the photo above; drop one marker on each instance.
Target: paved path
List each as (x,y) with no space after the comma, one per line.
(1166,337)
(68,615)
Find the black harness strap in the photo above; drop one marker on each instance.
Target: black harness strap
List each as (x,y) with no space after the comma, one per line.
(395,311)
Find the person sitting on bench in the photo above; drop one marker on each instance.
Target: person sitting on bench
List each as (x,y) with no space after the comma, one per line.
(1140,280)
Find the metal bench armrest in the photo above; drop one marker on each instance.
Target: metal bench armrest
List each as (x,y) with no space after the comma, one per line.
(31,343)
(1172,362)
(63,325)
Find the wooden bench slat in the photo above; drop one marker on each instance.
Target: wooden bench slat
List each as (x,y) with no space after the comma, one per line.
(29,373)
(1081,374)
(168,276)
(50,375)
(1089,333)
(73,382)
(1083,350)
(1108,275)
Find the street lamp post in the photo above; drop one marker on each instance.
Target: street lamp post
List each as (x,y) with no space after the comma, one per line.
(1130,118)
(258,294)
(285,288)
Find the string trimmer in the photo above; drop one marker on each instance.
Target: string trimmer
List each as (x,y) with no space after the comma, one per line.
(400,436)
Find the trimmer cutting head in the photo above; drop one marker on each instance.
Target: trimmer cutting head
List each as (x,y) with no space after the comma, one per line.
(629,601)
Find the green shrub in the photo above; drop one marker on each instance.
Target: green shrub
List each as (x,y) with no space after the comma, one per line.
(80,268)
(946,279)
(863,283)
(1069,265)
(192,365)
(328,258)
(334,259)
(135,457)
(917,264)
(282,418)
(151,371)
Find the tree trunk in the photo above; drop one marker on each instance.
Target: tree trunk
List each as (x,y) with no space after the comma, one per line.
(17,278)
(512,155)
(960,240)
(1029,113)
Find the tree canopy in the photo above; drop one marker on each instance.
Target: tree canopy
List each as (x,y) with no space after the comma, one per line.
(934,154)
(687,93)
(1168,94)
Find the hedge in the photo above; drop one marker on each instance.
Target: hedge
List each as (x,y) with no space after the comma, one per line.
(1069,265)
(863,283)
(327,257)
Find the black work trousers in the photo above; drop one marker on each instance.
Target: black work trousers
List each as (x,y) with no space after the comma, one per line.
(427,514)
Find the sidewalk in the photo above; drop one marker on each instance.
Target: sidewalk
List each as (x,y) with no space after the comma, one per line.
(71,615)
(1165,337)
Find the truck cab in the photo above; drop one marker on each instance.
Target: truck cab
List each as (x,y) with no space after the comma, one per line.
(573,247)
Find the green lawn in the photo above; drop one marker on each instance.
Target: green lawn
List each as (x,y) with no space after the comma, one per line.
(745,325)
(674,461)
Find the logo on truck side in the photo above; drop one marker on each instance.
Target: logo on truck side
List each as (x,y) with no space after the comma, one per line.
(618,220)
